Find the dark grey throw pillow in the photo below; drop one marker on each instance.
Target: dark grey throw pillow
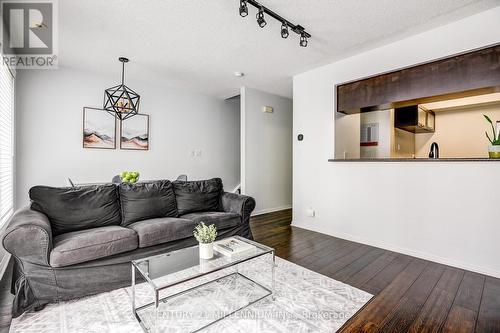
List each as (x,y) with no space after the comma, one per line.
(77,208)
(198,196)
(148,200)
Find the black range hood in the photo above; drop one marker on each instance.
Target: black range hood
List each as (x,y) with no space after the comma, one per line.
(415,119)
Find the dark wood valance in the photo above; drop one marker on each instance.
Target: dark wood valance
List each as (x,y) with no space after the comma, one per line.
(462,75)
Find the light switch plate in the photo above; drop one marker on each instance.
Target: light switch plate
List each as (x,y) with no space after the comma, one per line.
(311,212)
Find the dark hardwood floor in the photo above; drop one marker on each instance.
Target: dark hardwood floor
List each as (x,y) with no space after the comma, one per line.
(410,294)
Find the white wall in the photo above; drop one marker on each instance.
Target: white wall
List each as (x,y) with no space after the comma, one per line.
(49,132)
(266,140)
(441,211)
(348,131)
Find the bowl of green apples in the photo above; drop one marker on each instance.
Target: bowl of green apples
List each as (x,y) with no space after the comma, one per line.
(129,177)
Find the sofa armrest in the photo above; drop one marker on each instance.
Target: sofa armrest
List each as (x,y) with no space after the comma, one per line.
(237,203)
(28,237)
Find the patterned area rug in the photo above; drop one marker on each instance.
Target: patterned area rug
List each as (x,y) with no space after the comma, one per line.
(305,302)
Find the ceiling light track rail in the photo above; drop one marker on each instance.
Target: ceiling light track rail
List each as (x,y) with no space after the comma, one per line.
(285,24)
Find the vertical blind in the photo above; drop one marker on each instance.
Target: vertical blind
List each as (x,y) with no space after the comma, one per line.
(6,143)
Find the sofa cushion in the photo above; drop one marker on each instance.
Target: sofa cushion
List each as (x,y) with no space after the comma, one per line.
(85,245)
(147,200)
(198,196)
(221,220)
(162,230)
(77,208)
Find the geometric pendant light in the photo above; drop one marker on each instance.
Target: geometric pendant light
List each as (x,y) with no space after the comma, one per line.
(121,101)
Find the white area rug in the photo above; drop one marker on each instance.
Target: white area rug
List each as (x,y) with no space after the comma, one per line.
(305,302)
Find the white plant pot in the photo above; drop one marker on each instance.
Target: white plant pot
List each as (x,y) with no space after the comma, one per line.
(206,250)
(494,151)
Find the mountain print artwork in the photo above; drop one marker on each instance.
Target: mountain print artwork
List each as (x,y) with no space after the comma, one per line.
(134,133)
(99,128)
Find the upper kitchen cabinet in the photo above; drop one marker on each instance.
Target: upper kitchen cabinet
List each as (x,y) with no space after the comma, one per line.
(415,119)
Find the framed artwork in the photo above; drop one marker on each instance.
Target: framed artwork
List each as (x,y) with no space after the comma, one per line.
(134,133)
(99,129)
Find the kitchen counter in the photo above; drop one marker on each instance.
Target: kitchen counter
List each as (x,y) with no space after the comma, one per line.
(445,159)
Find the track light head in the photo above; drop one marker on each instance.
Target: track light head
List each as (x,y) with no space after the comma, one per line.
(243,8)
(260,18)
(303,40)
(284,30)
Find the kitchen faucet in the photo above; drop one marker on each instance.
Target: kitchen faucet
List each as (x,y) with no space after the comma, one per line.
(434,153)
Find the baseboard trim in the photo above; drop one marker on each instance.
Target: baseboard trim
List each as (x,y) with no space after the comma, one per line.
(270,210)
(407,251)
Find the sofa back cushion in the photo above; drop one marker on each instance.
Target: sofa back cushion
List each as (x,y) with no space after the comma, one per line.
(198,196)
(147,200)
(77,208)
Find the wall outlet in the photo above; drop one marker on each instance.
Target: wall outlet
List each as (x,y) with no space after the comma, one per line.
(310,212)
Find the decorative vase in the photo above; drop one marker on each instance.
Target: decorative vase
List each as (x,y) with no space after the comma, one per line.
(206,250)
(494,151)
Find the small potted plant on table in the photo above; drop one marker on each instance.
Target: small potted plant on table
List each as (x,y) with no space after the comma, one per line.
(205,235)
(494,149)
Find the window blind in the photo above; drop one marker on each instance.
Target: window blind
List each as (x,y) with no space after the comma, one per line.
(6,144)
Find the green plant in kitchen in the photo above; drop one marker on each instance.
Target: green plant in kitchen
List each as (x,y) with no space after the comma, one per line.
(205,233)
(494,149)
(129,177)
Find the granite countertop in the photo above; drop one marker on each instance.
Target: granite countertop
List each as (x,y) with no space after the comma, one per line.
(445,159)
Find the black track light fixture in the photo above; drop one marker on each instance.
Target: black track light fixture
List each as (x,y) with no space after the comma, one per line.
(243,8)
(303,40)
(260,18)
(284,30)
(286,26)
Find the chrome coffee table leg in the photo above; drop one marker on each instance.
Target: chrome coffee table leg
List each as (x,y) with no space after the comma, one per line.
(157,302)
(133,289)
(273,286)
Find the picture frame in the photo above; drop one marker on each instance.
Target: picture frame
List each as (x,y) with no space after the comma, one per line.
(134,133)
(99,129)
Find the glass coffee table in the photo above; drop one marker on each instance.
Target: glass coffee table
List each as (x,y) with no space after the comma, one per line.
(186,295)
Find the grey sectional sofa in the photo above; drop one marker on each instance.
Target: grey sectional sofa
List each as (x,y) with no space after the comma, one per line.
(73,242)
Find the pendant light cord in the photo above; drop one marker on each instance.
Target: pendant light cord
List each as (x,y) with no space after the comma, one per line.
(123,72)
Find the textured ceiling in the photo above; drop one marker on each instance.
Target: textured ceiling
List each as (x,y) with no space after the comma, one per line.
(198,44)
